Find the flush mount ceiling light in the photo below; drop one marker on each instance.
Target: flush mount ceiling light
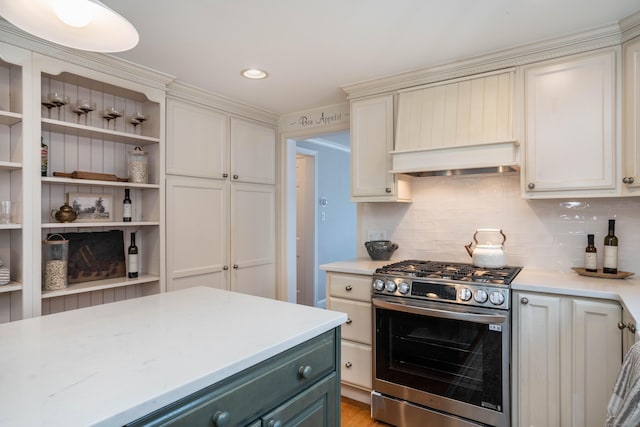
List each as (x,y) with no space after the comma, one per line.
(254,73)
(80,24)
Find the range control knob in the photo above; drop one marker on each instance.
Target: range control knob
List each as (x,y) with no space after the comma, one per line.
(496,298)
(464,294)
(391,286)
(480,296)
(404,288)
(378,285)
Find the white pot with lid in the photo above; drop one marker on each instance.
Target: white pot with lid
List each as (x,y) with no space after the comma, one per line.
(488,253)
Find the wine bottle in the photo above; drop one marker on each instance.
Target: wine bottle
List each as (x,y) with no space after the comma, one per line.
(126,206)
(590,255)
(610,264)
(132,252)
(44,157)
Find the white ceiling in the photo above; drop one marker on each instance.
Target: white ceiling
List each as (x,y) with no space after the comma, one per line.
(312,48)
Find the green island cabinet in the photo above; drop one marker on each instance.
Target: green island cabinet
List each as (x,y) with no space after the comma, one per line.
(297,387)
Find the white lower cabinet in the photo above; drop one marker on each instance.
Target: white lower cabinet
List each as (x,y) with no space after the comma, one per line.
(351,294)
(221,234)
(567,353)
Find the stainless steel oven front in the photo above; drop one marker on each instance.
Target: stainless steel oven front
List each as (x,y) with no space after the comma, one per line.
(440,364)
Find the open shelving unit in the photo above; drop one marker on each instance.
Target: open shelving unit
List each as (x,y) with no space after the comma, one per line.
(91,143)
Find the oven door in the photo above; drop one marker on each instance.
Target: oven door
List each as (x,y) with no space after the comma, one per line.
(447,357)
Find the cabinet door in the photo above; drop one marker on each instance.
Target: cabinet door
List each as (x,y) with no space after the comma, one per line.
(631,117)
(197,232)
(253,152)
(596,359)
(570,126)
(312,408)
(253,239)
(371,142)
(196,140)
(537,360)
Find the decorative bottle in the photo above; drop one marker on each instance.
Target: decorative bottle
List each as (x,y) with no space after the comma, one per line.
(590,255)
(126,206)
(132,253)
(610,263)
(44,157)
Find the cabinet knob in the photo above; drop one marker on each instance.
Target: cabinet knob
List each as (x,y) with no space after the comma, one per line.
(235,266)
(628,180)
(632,328)
(221,419)
(225,268)
(348,288)
(524,300)
(274,423)
(225,175)
(348,365)
(304,371)
(388,190)
(531,186)
(235,176)
(621,325)
(349,321)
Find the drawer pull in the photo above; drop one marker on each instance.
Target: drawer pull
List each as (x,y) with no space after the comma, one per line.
(348,365)
(632,328)
(524,300)
(349,321)
(304,372)
(221,419)
(348,288)
(274,423)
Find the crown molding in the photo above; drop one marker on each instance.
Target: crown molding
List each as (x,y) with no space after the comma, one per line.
(602,37)
(92,60)
(187,92)
(630,27)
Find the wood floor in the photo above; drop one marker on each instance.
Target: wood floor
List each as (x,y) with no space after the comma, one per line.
(356,414)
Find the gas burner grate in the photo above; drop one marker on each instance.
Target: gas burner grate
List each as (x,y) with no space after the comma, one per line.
(451,271)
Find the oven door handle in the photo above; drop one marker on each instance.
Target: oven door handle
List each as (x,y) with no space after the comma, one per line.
(445,314)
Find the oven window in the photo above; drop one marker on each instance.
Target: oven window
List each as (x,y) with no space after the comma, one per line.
(453,358)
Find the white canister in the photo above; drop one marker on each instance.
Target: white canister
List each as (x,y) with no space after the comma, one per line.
(138,166)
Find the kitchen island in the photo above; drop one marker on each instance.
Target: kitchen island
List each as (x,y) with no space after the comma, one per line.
(111,364)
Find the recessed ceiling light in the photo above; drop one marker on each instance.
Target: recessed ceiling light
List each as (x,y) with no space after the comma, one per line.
(254,73)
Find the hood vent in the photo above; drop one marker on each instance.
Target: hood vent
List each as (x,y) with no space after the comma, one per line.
(457,125)
(471,171)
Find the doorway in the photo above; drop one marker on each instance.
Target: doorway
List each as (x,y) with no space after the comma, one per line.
(325,216)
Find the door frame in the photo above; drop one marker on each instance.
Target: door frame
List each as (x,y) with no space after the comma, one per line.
(286,231)
(312,229)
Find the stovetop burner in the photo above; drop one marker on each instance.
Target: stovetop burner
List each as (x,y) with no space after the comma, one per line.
(451,271)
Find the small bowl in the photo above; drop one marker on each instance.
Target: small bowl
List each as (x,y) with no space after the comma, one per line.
(380,250)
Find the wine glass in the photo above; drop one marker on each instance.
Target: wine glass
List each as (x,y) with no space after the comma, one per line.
(78,110)
(137,119)
(47,103)
(111,113)
(87,107)
(58,100)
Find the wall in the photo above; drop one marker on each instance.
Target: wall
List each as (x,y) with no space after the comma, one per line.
(548,234)
(337,233)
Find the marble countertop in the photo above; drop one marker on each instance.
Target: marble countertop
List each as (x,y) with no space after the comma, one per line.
(626,291)
(111,364)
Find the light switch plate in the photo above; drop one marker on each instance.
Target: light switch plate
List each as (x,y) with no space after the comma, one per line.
(376,235)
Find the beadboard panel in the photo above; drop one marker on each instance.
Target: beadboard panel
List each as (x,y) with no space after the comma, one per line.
(89,299)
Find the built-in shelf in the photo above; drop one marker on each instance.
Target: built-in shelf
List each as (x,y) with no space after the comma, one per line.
(10,166)
(8,118)
(10,226)
(100,224)
(71,181)
(99,285)
(58,126)
(10,287)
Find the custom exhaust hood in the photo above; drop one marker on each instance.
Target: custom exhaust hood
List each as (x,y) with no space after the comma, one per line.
(457,127)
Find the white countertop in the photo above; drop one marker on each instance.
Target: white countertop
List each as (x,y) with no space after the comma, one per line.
(626,291)
(113,363)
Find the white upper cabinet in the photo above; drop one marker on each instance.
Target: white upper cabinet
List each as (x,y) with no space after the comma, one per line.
(570,126)
(197,140)
(460,124)
(631,117)
(371,142)
(253,152)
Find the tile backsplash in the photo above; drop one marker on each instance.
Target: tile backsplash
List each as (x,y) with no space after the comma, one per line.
(549,234)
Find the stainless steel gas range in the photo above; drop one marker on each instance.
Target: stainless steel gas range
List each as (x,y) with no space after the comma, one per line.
(441,344)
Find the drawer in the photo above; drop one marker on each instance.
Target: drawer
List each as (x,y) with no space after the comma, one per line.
(356,364)
(358,325)
(244,397)
(352,286)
